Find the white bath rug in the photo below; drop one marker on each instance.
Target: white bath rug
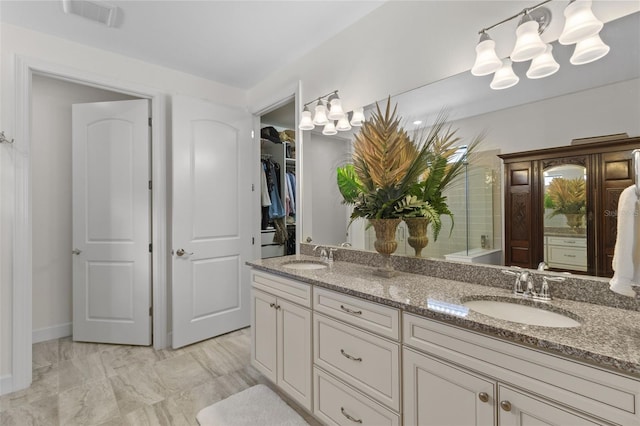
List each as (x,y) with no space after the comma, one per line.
(257,405)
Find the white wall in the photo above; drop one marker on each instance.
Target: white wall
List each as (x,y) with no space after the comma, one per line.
(555,122)
(406,44)
(51,191)
(94,62)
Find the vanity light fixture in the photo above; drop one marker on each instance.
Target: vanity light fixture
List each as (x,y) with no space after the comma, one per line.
(358,117)
(334,119)
(528,42)
(589,50)
(581,27)
(543,65)
(329,129)
(504,77)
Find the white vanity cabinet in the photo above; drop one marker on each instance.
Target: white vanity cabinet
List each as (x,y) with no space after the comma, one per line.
(281,334)
(454,376)
(356,360)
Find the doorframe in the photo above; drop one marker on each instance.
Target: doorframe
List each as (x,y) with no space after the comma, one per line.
(283,97)
(21,339)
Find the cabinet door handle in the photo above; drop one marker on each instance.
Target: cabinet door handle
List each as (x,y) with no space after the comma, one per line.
(483,396)
(346,355)
(350,311)
(277,307)
(505,405)
(344,413)
(272,305)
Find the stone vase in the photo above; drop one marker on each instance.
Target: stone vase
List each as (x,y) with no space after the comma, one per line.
(417,233)
(385,243)
(574,221)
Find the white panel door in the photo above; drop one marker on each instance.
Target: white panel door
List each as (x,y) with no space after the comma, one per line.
(212,175)
(111,223)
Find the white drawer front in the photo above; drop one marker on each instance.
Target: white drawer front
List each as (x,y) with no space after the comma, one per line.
(291,290)
(371,316)
(267,237)
(568,255)
(337,404)
(368,362)
(567,241)
(586,388)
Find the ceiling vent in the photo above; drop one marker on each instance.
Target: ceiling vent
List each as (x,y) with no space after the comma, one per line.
(97,11)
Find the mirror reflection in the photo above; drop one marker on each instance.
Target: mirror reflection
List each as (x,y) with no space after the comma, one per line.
(565,207)
(600,98)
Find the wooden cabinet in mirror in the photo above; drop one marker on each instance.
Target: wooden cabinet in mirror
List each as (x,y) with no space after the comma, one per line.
(561,205)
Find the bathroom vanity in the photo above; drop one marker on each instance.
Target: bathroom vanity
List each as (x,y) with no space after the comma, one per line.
(353,348)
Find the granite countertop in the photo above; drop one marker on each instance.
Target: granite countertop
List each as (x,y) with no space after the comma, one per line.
(607,337)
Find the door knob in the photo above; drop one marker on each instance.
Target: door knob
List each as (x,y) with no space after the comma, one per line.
(181,252)
(506,405)
(483,396)
(76,251)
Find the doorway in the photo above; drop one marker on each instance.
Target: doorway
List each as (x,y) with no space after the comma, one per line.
(51,180)
(19,213)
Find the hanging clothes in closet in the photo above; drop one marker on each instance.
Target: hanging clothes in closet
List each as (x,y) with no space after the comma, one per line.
(273,212)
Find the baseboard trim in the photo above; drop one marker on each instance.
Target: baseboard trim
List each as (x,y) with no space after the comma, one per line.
(50,333)
(6,384)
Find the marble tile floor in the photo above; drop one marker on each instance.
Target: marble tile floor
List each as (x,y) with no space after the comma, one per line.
(88,384)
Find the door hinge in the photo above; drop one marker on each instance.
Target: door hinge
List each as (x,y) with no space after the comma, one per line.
(150,248)
(253,241)
(150,311)
(253,134)
(253,187)
(150,121)
(150,185)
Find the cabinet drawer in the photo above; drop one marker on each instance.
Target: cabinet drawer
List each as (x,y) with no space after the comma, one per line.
(290,290)
(363,360)
(567,241)
(589,389)
(371,316)
(334,401)
(568,255)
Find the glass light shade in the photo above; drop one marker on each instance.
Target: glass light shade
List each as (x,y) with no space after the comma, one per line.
(589,50)
(343,124)
(305,120)
(528,44)
(543,65)
(504,77)
(358,117)
(329,129)
(580,22)
(320,119)
(487,61)
(335,109)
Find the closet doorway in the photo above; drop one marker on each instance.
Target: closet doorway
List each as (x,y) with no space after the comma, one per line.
(280,206)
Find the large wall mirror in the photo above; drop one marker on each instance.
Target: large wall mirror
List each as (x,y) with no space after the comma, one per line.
(599,98)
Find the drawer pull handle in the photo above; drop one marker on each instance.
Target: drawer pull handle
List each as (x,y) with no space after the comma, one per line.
(350,311)
(570,255)
(483,396)
(346,355)
(344,413)
(506,405)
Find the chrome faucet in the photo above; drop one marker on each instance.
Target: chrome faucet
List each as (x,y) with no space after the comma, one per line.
(518,273)
(542,266)
(545,294)
(323,253)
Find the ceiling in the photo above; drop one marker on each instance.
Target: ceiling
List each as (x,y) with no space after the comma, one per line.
(237,43)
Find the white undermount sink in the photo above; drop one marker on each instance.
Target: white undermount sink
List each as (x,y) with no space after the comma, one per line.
(522,314)
(305,264)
